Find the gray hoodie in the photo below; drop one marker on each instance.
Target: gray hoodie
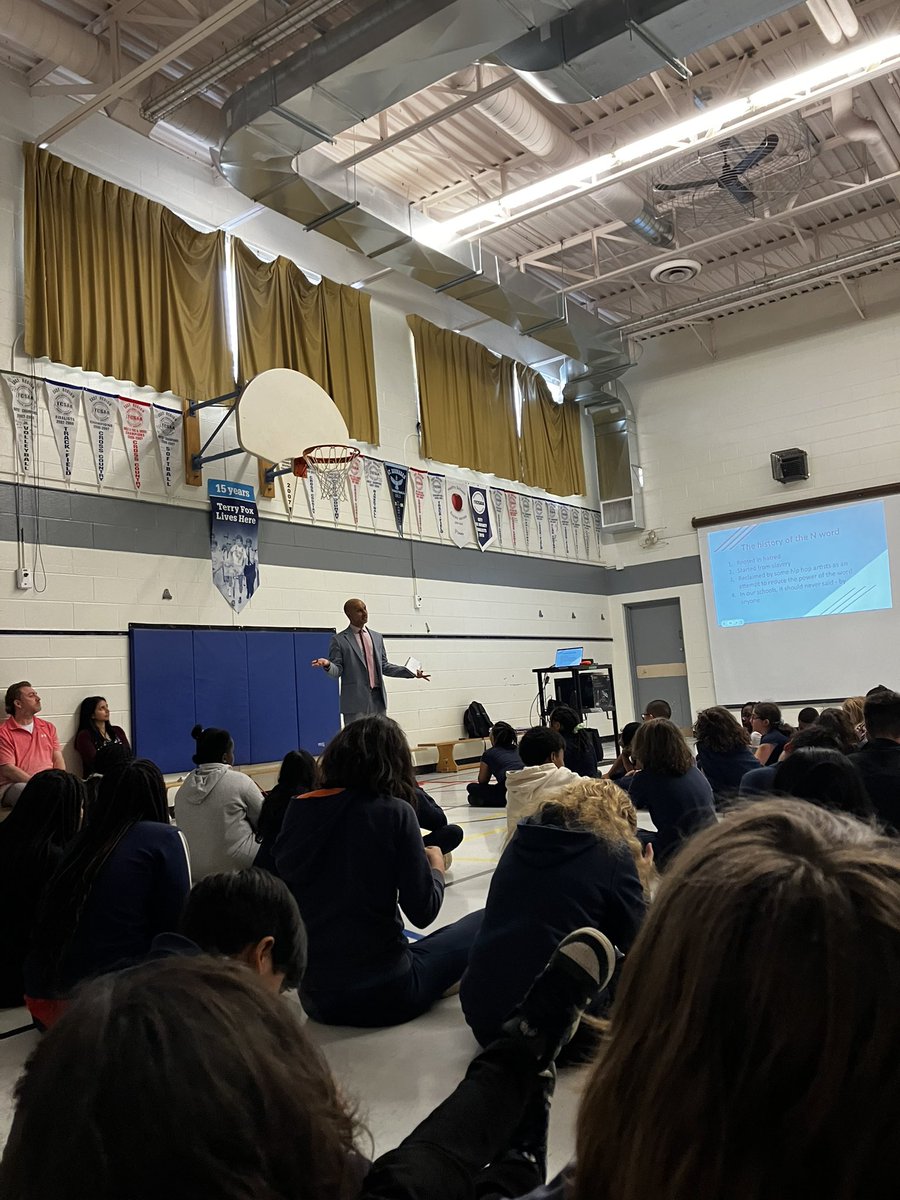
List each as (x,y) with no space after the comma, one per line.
(217,810)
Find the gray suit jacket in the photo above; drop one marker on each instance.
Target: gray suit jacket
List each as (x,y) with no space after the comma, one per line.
(349,665)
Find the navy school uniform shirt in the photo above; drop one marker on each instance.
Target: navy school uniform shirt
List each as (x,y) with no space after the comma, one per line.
(500,760)
(139,893)
(549,881)
(348,857)
(580,756)
(679,805)
(725,770)
(777,740)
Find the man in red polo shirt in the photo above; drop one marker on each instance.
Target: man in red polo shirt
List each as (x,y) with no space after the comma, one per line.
(27,743)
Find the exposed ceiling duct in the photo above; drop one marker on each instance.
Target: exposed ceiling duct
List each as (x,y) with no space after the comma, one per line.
(48,35)
(518,116)
(594,49)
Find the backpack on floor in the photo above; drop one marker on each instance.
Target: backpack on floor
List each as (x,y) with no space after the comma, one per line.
(476,722)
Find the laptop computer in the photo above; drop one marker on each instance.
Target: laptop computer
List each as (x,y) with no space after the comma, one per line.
(570,657)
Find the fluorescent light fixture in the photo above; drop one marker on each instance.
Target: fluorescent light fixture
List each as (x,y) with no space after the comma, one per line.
(725,119)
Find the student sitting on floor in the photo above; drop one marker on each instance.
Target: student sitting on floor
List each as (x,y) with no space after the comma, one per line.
(500,758)
(296,776)
(670,788)
(574,862)
(217,807)
(122,880)
(723,752)
(773,733)
(349,852)
(825,777)
(542,777)
(624,764)
(32,841)
(580,756)
(249,916)
(188,1078)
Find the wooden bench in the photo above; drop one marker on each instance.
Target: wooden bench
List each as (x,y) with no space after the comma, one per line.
(446,763)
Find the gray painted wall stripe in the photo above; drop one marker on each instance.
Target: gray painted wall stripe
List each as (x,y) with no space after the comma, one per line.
(83,520)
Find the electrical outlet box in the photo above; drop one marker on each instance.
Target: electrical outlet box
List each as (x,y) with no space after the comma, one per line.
(23,579)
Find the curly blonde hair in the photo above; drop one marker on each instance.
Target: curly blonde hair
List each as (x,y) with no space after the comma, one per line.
(600,807)
(853,706)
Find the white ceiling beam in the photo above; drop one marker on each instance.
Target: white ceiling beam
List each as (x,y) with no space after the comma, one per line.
(112,15)
(145,70)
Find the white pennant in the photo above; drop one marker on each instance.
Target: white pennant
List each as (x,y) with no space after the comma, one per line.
(355,479)
(553,523)
(575,517)
(437,484)
(525,507)
(538,508)
(169,423)
(586,531)
(498,505)
(564,518)
(374,472)
(101,418)
(136,426)
(512,512)
(460,516)
(598,532)
(64,405)
(289,488)
(25,418)
(310,481)
(418,491)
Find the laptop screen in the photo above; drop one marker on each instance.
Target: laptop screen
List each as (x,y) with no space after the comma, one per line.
(569,658)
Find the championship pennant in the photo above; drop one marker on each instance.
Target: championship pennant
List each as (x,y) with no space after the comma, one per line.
(64,405)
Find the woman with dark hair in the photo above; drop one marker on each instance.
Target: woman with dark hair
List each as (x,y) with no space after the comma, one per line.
(669,786)
(296,777)
(773,733)
(501,757)
(747,722)
(723,752)
(32,840)
(95,731)
(824,777)
(580,756)
(349,852)
(217,808)
(122,880)
(754,1044)
(839,723)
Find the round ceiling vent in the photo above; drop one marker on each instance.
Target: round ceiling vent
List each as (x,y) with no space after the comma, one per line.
(676,270)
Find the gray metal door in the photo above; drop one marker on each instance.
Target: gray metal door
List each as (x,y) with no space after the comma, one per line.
(656,650)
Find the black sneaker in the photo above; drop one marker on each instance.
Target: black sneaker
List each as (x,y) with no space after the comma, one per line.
(579,969)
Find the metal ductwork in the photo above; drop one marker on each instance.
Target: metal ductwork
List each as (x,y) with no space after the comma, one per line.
(858,129)
(354,72)
(594,49)
(47,35)
(519,117)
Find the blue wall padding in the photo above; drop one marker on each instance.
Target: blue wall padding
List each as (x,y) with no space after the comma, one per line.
(256,683)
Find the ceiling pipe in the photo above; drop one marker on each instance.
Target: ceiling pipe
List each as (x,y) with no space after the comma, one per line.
(874,108)
(47,35)
(826,21)
(518,116)
(858,129)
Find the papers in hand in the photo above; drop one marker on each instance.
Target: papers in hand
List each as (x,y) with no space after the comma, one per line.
(413,664)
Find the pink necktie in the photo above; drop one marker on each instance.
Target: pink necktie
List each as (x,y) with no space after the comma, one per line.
(366,643)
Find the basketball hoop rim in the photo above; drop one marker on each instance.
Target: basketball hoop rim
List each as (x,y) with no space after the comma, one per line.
(347,454)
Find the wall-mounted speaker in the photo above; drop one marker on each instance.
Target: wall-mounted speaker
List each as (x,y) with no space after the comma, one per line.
(789,466)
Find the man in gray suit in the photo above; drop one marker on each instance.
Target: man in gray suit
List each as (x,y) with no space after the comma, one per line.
(356,656)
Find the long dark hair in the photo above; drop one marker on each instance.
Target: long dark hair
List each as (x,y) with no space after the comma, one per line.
(836,721)
(297,775)
(370,755)
(135,793)
(754,1036)
(86,714)
(45,819)
(178,1079)
(824,777)
(766,711)
(718,730)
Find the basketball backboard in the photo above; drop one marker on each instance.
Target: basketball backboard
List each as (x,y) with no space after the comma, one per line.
(281,413)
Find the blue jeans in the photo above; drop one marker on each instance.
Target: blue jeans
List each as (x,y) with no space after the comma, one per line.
(434,964)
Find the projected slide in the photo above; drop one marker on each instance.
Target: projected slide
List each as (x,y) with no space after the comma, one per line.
(813,565)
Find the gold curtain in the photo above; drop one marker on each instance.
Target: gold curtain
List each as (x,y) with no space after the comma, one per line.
(551,438)
(466,400)
(323,330)
(118,284)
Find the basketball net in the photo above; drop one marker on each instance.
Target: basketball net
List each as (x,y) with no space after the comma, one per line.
(330,464)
